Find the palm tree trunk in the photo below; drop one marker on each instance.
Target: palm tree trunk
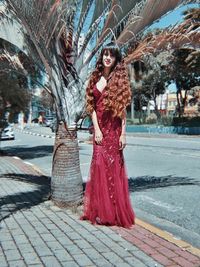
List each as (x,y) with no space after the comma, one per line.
(66,182)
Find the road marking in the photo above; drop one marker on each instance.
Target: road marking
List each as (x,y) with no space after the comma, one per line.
(86,163)
(15,157)
(39,170)
(169,237)
(28,163)
(35,168)
(158,203)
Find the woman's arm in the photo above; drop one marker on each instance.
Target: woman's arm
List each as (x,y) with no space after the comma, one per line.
(98,136)
(122,139)
(123,126)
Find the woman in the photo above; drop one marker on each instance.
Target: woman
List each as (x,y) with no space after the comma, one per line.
(107,96)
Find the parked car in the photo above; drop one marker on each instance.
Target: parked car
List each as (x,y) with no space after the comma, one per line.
(48,120)
(85,124)
(7,133)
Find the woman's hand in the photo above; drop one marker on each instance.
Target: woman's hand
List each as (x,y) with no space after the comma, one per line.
(122,141)
(98,136)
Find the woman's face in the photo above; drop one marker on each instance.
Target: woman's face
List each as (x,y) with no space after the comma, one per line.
(108,59)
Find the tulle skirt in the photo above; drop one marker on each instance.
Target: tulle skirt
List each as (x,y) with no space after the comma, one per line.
(106,199)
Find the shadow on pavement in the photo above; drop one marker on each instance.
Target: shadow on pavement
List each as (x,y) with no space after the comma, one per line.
(29,152)
(11,203)
(148,182)
(41,180)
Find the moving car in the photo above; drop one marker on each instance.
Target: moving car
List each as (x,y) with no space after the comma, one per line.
(7,133)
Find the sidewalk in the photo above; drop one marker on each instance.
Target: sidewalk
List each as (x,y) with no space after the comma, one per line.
(34,232)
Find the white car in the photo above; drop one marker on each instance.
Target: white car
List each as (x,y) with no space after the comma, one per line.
(7,133)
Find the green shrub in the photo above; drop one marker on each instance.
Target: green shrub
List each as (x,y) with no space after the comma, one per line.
(129,121)
(186,121)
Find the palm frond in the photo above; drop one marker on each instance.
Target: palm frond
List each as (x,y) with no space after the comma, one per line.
(92,29)
(119,15)
(108,31)
(86,5)
(186,34)
(151,12)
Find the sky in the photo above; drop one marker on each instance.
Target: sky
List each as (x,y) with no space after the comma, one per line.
(173,17)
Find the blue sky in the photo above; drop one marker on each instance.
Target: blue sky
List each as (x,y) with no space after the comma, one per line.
(173,17)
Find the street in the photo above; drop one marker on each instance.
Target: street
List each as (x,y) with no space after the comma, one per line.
(164,176)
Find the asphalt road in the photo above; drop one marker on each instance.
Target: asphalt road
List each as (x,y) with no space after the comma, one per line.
(164,176)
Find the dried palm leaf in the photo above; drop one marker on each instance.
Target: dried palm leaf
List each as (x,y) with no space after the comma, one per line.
(186,34)
(152,11)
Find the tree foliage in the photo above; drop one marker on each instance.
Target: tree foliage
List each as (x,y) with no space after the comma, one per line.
(14,95)
(17,80)
(166,56)
(46,101)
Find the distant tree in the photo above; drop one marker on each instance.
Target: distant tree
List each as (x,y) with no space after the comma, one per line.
(192,13)
(195,100)
(185,77)
(46,100)
(23,66)
(14,94)
(17,81)
(149,80)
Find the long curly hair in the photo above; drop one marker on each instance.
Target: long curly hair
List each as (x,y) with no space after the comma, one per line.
(117,93)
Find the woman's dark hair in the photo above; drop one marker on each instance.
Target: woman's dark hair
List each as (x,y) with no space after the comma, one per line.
(114,51)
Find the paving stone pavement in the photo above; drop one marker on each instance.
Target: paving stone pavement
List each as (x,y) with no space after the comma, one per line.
(35,232)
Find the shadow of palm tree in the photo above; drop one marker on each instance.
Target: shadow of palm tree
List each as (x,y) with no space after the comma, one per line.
(41,180)
(11,203)
(25,152)
(149,182)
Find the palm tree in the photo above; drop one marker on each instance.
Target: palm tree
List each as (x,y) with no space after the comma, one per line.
(62,37)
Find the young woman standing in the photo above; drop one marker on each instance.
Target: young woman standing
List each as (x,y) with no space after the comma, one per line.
(108,94)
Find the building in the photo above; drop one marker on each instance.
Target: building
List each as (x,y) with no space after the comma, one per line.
(167,103)
(171,103)
(191,107)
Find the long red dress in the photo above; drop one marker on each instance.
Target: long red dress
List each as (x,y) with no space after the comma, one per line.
(106,198)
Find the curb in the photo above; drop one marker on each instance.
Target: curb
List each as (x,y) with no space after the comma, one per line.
(169,237)
(37,169)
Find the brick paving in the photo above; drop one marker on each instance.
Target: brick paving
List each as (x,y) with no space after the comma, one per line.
(35,232)
(159,249)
